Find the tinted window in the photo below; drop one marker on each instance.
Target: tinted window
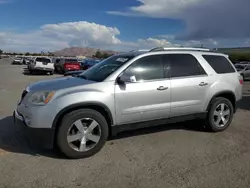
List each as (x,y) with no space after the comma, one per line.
(41,59)
(220,64)
(182,65)
(147,68)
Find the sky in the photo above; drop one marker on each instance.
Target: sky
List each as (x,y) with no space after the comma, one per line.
(49,25)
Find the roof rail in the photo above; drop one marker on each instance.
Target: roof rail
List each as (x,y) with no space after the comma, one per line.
(139,50)
(178,48)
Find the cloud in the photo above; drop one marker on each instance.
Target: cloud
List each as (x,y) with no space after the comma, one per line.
(216,19)
(62,35)
(158,8)
(222,19)
(154,42)
(83,33)
(52,37)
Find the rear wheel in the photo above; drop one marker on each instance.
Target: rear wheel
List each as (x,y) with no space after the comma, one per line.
(82,133)
(220,114)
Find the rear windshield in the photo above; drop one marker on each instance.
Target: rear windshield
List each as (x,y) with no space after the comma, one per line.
(71,60)
(220,64)
(41,59)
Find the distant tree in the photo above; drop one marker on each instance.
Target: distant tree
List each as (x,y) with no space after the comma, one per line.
(27,54)
(98,54)
(106,55)
(1,51)
(239,57)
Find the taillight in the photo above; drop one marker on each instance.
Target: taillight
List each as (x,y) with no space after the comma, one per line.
(72,65)
(241,81)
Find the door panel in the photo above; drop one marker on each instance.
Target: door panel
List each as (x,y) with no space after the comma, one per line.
(189,84)
(188,94)
(145,94)
(142,101)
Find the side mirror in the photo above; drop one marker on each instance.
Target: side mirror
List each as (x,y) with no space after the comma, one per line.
(125,78)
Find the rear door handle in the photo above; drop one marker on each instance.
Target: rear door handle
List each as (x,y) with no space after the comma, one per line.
(161,88)
(203,84)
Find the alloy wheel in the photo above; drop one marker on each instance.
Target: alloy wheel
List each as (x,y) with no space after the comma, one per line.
(84,134)
(221,115)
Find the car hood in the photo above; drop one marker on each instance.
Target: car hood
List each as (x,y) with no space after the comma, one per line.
(57,84)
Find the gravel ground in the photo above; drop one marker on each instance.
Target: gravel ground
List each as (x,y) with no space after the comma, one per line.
(177,155)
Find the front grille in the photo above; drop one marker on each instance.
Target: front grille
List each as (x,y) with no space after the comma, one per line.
(24,93)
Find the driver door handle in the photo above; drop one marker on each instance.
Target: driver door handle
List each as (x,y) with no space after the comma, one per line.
(162,88)
(203,84)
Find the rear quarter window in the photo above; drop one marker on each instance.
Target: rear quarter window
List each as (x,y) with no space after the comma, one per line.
(220,64)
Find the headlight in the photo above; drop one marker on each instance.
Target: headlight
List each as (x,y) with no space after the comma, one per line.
(41,98)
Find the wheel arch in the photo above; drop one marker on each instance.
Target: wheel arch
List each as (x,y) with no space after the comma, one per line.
(226,94)
(101,108)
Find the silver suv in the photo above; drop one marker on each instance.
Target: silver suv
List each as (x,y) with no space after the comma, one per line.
(130,91)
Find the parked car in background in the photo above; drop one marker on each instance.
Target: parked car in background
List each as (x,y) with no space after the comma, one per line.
(64,65)
(27,60)
(243,69)
(41,64)
(130,91)
(86,64)
(18,60)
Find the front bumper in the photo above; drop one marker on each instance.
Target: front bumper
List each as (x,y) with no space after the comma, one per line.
(43,137)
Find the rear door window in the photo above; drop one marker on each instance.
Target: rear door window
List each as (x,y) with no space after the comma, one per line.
(45,60)
(183,65)
(220,64)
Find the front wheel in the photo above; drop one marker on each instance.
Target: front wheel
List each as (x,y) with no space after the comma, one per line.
(220,114)
(82,133)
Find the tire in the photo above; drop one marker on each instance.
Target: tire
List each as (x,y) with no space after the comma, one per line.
(66,125)
(51,72)
(211,125)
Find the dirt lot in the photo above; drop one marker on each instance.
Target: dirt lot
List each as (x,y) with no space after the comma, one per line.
(179,155)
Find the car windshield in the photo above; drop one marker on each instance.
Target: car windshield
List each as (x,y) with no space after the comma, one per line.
(40,59)
(102,70)
(240,67)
